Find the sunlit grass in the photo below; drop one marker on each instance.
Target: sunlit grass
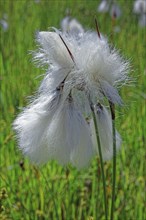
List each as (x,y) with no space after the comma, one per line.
(54,192)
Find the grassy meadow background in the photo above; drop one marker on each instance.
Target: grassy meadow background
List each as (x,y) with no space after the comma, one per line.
(53,192)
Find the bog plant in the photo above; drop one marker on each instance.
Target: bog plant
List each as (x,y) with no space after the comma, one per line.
(68,120)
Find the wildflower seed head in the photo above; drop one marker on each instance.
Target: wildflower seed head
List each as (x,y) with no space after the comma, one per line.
(79,69)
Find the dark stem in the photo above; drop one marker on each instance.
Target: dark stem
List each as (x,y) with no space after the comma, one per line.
(67,48)
(97,28)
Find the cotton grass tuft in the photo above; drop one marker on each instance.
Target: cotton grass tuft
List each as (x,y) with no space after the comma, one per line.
(55,125)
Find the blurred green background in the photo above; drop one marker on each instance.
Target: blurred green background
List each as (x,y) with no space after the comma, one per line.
(55,192)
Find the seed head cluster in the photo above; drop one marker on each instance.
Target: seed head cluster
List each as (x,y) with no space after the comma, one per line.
(57,124)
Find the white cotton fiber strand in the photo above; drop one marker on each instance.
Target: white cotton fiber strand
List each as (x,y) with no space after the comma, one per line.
(69,137)
(104,123)
(31,127)
(53,50)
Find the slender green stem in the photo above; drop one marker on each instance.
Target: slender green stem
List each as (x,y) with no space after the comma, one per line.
(101,159)
(112,107)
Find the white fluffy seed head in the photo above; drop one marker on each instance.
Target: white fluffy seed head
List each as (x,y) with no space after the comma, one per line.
(139,6)
(115,10)
(101,65)
(69,137)
(52,127)
(103,6)
(49,130)
(31,127)
(104,123)
(72,27)
(65,24)
(75,28)
(92,64)
(100,62)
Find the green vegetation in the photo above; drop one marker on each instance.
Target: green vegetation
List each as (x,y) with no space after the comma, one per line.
(54,192)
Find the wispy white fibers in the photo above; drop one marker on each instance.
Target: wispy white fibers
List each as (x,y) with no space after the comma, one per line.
(104,123)
(53,126)
(52,51)
(102,67)
(97,67)
(69,136)
(32,124)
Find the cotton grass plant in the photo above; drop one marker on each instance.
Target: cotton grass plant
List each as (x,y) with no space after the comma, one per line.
(110,6)
(139,8)
(57,124)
